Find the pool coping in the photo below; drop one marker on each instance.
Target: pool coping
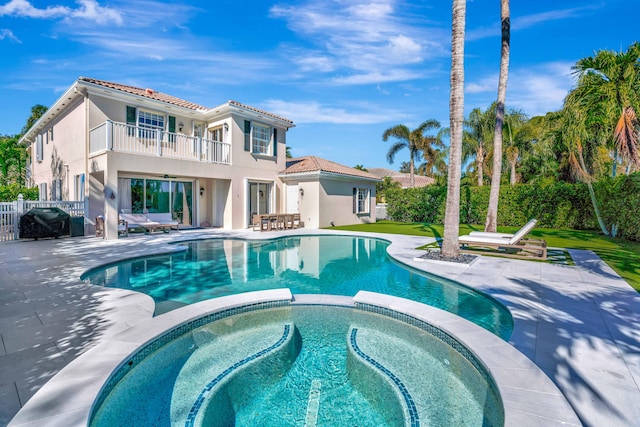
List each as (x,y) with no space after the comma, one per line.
(68,398)
(577,323)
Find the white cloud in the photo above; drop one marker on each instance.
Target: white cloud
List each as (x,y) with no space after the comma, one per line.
(92,11)
(88,9)
(377,77)
(523,22)
(8,34)
(536,90)
(23,8)
(314,112)
(363,38)
(540,89)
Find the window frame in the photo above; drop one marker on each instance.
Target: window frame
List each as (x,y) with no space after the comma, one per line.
(362,201)
(148,130)
(265,143)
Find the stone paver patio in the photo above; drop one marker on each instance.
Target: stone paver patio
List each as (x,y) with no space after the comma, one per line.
(577,323)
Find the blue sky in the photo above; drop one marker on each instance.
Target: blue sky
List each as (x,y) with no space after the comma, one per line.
(342,70)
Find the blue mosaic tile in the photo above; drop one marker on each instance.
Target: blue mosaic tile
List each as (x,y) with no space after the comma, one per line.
(438,333)
(171,335)
(411,406)
(193,413)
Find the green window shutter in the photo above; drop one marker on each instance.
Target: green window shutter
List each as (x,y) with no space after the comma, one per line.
(131,115)
(275,142)
(247,135)
(355,200)
(172,124)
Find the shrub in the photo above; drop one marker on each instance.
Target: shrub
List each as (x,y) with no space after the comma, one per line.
(9,193)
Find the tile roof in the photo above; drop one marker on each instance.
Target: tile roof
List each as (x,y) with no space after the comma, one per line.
(163,97)
(403,178)
(147,93)
(257,110)
(316,164)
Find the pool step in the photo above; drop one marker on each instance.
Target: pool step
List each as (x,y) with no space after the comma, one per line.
(314,404)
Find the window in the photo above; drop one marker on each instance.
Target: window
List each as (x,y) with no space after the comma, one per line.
(56,189)
(42,191)
(258,138)
(361,200)
(216,134)
(261,139)
(151,121)
(79,187)
(39,149)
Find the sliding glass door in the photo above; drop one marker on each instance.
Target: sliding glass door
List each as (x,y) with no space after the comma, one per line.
(141,195)
(259,198)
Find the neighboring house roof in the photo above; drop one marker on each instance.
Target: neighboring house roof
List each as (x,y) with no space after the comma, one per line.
(313,164)
(404,179)
(147,93)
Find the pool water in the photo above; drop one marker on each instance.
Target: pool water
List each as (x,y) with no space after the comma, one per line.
(339,265)
(311,379)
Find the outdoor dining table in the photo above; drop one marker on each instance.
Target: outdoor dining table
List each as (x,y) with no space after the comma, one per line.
(277,221)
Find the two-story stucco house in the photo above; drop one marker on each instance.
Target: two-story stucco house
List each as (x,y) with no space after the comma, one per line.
(130,149)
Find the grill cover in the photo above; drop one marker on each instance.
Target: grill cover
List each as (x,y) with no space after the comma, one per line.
(44,222)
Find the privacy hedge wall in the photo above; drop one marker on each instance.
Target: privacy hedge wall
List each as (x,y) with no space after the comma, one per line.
(555,205)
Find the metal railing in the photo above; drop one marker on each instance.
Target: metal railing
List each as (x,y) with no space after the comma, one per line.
(125,138)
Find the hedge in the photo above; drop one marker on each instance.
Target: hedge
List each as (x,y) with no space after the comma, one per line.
(9,193)
(556,205)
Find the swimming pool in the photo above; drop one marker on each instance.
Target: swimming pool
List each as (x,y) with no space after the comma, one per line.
(301,365)
(338,265)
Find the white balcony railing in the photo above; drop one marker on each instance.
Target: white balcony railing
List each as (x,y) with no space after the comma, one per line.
(124,138)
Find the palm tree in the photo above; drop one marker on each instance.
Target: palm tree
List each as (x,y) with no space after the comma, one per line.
(492,212)
(432,152)
(450,242)
(413,140)
(608,90)
(477,130)
(514,121)
(573,131)
(37,111)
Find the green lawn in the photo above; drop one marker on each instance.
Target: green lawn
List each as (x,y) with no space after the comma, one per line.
(621,255)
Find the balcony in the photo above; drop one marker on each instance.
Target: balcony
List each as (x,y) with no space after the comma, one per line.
(124,138)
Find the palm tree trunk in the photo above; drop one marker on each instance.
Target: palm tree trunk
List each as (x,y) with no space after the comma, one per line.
(480,161)
(592,195)
(492,212)
(450,243)
(411,173)
(513,179)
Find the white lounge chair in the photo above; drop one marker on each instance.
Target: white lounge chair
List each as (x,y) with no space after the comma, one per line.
(525,229)
(509,245)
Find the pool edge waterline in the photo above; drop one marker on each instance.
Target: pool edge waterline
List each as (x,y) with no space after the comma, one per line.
(69,397)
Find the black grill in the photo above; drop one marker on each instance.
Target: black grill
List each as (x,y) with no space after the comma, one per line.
(44,222)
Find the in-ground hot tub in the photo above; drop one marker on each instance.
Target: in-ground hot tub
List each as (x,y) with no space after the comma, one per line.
(265,358)
(302,365)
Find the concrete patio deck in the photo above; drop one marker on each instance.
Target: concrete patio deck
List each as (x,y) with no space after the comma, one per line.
(578,324)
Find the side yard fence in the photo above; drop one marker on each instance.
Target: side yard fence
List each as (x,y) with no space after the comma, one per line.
(10,213)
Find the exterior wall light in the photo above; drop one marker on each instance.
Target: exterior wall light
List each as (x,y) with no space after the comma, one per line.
(301,192)
(202,191)
(226,127)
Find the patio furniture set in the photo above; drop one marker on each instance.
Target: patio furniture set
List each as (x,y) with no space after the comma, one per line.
(273,222)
